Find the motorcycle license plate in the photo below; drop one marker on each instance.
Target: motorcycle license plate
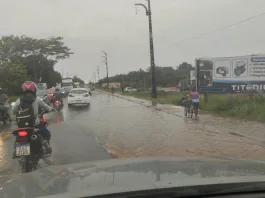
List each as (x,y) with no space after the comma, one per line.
(22,149)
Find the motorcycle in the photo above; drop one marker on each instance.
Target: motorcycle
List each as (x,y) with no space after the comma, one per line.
(58,105)
(29,147)
(46,100)
(4,116)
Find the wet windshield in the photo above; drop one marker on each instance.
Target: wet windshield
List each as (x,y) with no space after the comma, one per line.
(140,81)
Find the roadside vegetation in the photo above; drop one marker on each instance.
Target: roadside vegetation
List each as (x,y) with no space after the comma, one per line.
(251,107)
(25,58)
(243,106)
(165,77)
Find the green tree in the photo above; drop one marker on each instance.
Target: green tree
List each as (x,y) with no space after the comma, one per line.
(11,78)
(38,55)
(77,79)
(165,76)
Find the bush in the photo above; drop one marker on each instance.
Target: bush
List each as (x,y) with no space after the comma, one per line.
(241,106)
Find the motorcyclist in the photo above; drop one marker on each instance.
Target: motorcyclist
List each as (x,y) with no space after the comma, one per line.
(58,95)
(3,104)
(29,96)
(46,99)
(44,132)
(112,89)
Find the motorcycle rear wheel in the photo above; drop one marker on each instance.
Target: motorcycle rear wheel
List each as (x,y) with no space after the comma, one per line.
(27,164)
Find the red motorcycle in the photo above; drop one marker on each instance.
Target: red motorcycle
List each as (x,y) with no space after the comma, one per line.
(29,147)
(58,105)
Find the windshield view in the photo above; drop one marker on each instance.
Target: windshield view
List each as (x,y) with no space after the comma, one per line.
(154,98)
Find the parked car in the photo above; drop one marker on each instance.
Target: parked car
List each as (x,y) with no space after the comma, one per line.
(130,89)
(79,96)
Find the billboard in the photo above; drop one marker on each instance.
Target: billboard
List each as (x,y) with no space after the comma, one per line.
(241,74)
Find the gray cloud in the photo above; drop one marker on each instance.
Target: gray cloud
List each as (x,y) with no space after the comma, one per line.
(90,26)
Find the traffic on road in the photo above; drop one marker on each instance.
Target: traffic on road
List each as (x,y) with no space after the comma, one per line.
(132,99)
(160,130)
(134,128)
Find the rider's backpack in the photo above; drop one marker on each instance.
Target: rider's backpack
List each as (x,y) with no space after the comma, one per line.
(25,115)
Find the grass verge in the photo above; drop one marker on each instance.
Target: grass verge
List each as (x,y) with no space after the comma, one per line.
(239,106)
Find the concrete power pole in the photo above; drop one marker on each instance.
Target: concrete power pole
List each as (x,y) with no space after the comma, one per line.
(152,57)
(98,72)
(107,68)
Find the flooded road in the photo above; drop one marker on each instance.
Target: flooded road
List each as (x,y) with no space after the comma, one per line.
(163,131)
(116,127)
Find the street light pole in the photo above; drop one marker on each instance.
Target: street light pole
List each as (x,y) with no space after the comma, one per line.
(106,63)
(152,56)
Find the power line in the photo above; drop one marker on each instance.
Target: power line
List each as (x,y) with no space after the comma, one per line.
(216,30)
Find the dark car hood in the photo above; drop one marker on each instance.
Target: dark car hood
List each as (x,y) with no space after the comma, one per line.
(123,175)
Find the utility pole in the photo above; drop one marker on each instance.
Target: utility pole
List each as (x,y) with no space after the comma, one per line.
(93,77)
(152,57)
(106,63)
(98,72)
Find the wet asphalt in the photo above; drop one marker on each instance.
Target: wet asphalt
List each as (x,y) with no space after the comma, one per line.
(122,127)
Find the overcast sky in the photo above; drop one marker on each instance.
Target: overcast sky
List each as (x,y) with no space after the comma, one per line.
(90,26)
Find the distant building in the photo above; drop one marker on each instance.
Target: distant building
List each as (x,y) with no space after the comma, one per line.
(115,85)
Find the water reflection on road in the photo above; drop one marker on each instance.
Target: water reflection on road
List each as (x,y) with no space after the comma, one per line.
(136,129)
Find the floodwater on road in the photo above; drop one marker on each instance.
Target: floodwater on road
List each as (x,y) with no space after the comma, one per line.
(140,131)
(116,127)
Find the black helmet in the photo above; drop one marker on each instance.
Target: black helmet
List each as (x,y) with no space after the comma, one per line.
(57,89)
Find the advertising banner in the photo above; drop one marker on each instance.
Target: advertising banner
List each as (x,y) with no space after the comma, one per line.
(231,74)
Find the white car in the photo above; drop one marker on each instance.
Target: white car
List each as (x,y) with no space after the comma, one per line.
(129,89)
(78,96)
